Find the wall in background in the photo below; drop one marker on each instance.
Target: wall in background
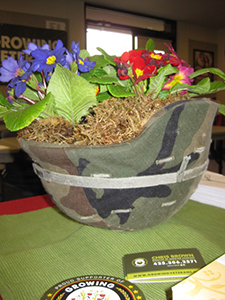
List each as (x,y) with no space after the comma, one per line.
(72,10)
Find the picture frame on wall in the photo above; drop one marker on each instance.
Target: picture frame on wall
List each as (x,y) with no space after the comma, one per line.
(203,59)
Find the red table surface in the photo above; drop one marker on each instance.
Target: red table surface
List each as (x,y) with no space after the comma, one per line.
(25,205)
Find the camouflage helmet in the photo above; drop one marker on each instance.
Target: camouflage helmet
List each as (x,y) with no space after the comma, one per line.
(135,184)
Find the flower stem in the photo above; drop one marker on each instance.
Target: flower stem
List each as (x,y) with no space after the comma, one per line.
(40,93)
(27,99)
(44,81)
(137,90)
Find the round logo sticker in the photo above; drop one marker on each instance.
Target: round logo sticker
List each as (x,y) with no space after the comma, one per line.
(90,287)
(139,262)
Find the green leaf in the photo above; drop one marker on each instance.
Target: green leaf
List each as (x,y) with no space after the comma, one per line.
(6,106)
(84,53)
(157,82)
(110,70)
(4,102)
(109,58)
(33,82)
(100,63)
(73,94)
(99,60)
(202,87)
(150,45)
(74,67)
(21,118)
(221,108)
(50,109)
(103,96)
(100,73)
(3,111)
(31,94)
(104,80)
(164,94)
(214,71)
(216,86)
(120,91)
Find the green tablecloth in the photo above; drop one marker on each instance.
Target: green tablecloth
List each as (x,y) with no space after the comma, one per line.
(43,247)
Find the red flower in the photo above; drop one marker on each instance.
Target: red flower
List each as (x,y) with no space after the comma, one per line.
(131,55)
(122,68)
(152,58)
(148,71)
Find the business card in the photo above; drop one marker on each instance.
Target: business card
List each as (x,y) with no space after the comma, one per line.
(162,265)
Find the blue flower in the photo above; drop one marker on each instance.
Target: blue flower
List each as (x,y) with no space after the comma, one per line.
(76,50)
(45,60)
(84,65)
(11,68)
(72,57)
(19,83)
(9,95)
(32,46)
(69,59)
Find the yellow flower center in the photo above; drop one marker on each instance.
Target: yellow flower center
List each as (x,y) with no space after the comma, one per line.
(80,62)
(178,78)
(156,56)
(51,60)
(138,72)
(96,90)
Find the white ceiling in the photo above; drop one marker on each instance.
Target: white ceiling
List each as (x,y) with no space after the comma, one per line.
(207,13)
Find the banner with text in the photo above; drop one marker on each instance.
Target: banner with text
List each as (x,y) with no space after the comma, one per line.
(16,38)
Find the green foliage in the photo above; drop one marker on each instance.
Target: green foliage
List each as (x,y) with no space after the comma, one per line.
(103,96)
(22,116)
(214,71)
(31,94)
(120,91)
(107,57)
(73,95)
(150,45)
(5,103)
(157,82)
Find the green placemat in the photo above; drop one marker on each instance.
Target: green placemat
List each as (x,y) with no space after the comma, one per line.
(44,247)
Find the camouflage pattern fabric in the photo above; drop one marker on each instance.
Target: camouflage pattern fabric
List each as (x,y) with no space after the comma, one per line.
(163,167)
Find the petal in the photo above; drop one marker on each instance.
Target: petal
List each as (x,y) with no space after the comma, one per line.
(10,64)
(20,88)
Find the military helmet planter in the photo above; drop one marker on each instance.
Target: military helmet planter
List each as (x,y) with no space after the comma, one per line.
(117,142)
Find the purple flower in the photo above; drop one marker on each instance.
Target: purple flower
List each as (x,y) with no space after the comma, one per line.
(32,46)
(69,59)
(76,50)
(11,68)
(19,83)
(46,60)
(83,65)
(9,95)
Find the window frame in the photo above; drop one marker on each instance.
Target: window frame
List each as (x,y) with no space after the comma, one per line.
(134,31)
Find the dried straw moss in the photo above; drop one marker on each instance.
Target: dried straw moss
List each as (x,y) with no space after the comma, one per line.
(112,122)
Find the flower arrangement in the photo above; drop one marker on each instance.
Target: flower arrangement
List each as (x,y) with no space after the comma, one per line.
(69,84)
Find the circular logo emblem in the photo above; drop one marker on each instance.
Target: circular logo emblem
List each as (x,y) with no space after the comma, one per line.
(139,262)
(94,287)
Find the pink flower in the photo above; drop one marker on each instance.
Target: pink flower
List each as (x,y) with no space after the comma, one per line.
(181,77)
